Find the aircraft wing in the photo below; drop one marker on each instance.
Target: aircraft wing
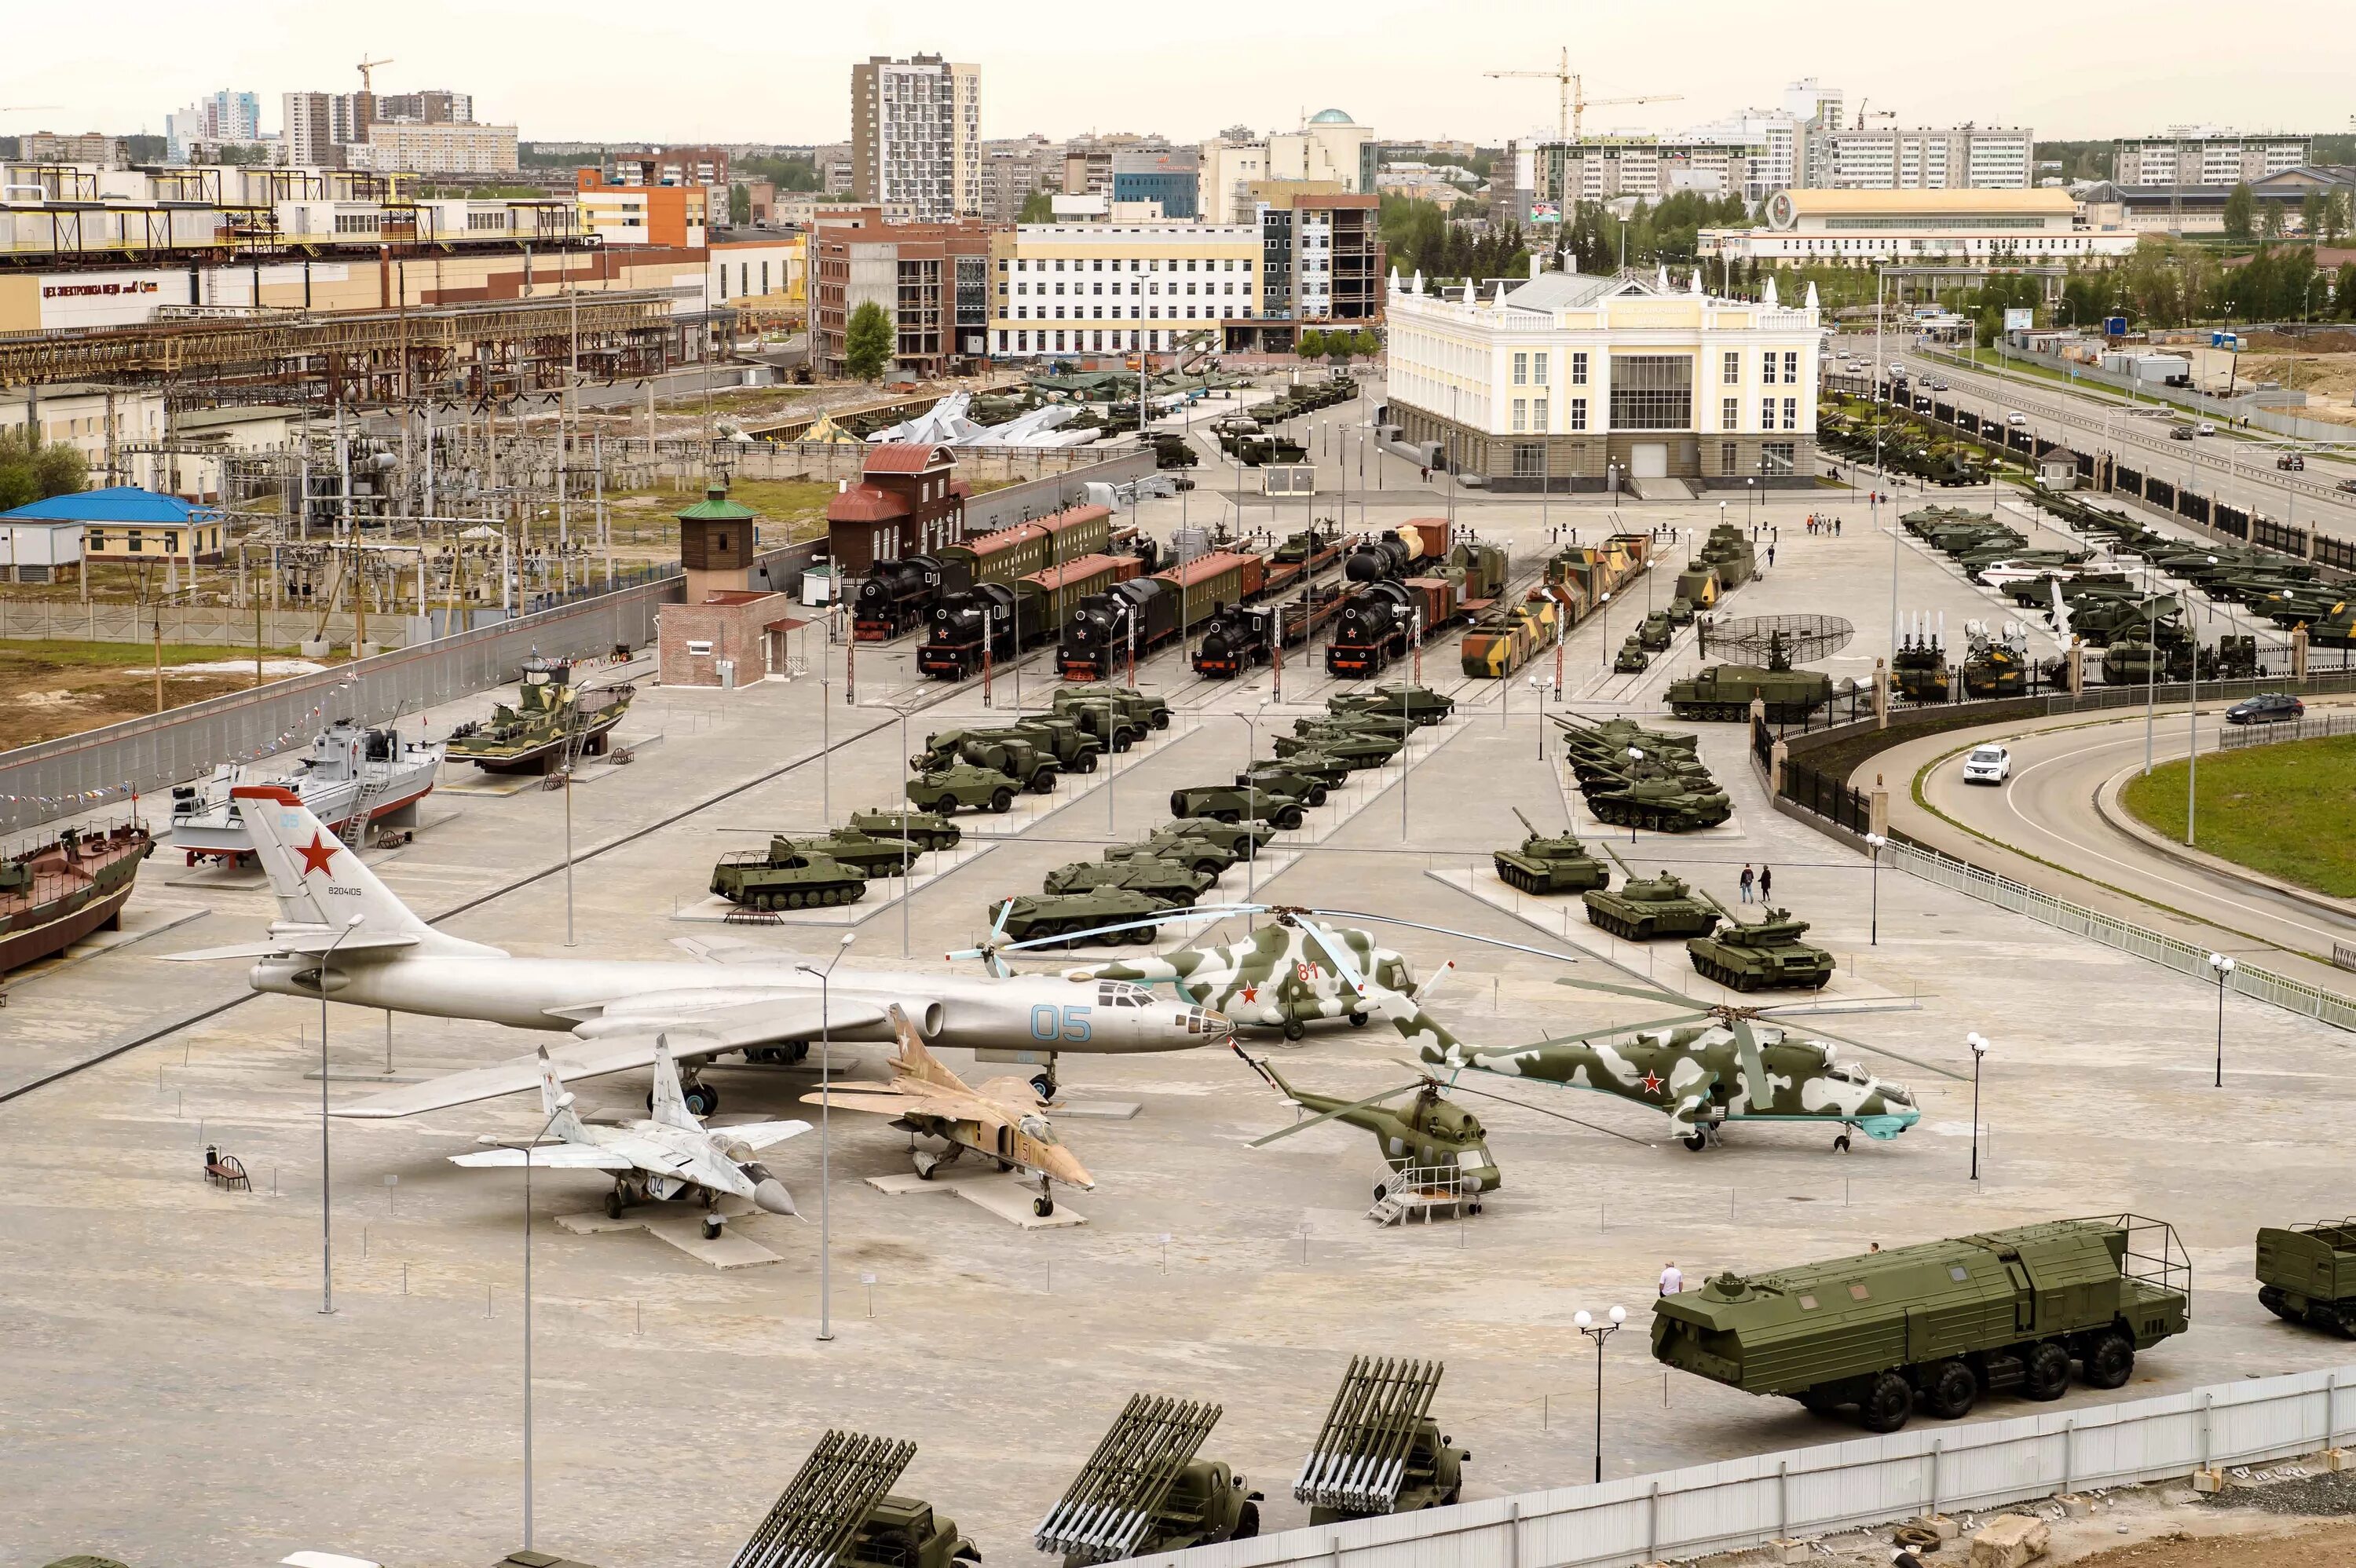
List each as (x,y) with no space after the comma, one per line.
(882,1102)
(550,1156)
(294,941)
(758,1136)
(773,1021)
(1010,1094)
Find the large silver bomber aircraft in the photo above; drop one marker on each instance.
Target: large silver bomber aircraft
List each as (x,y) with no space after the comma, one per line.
(343,932)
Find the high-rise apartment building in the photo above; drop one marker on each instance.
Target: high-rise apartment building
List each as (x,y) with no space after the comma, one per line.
(434,106)
(915,136)
(1963,157)
(308,140)
(2203,154)
(217,117)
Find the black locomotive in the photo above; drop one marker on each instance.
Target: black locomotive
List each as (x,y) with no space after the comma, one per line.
(960,623)
(1376,626)
(895,597)
(1238,637)
(1097,639)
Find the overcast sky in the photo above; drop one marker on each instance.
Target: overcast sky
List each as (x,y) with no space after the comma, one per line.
(604,69)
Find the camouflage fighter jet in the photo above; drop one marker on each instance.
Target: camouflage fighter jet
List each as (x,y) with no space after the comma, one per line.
(1702,1067)
(1001,1120)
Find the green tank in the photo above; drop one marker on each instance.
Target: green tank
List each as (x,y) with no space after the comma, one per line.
(1364,721)
(1767,955)
(1059,915)
(1632,658)
(2306,1274)
(1163,877)
(948,789)
(1326,770)
(1657,631)
(1279,778)
(1644,908)
(1938,1325)
(1724,691)
(864,852)
(1423,705)
(1236,803)
(1557,863)
(1654,796)
(1357,749)
(1614,736)
(785,876)
(1001,750)
(925,829)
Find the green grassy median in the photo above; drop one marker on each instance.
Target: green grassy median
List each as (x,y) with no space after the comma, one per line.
(2287,810)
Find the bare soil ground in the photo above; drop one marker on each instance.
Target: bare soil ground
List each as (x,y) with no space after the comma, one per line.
(48,690)
(2321,1541)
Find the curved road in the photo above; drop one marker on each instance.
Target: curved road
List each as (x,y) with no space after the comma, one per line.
(2044,828)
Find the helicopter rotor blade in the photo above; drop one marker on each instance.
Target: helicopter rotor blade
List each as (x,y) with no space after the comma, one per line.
(1447,930)
(1585,1035)
(1644,993)
(1338,1111)
(1895,1056)
(1338,952)
(1754,1065)
(1164,917)
(1455,1088)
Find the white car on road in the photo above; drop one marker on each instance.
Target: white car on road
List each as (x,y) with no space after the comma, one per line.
(1987,765)
(2016,417)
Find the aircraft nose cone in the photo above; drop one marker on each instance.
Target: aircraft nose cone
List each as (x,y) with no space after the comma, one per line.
(771,1196)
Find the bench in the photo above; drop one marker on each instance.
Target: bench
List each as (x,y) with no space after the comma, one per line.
(230,1171)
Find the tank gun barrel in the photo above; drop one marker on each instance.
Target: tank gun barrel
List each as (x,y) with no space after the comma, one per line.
(1526,823)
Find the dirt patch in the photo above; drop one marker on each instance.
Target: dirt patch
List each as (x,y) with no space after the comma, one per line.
(50,689)
(2301,1546)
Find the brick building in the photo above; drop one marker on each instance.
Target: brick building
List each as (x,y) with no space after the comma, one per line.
(908,502)
(932,279)
(727,633)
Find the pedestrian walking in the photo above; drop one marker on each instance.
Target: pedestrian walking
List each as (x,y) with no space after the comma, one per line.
(1749,877)
(1837,523)
(1426,472)
(1671,1280)
(1771,555)
(1766,883)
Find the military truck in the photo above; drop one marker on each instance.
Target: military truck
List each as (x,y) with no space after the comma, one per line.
(1767,955)
(1133,711)
(1161,876)
(1381,1451)
(904,1532)
(1938,1325)
(1550,863)
(1422,705)
(1017,756)
(2306,1274)
(925,829)
(1060,915)
(1632,658)
(1235,802)
(1145,1490)
(785,876)
(1644,908)
(947,789)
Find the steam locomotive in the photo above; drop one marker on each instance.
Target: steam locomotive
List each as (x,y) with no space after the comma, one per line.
(1381,621)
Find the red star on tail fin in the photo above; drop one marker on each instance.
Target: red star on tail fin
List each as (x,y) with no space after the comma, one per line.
(317,853)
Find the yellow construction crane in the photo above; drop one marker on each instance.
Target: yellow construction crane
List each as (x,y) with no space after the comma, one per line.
(367,84)
(1575,101)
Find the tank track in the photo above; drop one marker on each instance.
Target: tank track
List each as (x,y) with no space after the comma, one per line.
(803,898)
(1625,929)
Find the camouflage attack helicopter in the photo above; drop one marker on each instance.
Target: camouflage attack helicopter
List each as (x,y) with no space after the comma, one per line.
(1738,1065)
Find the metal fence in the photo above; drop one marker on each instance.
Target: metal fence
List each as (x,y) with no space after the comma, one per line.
(2311,726)
(1828,797)
(1857,1484)
(2247,979)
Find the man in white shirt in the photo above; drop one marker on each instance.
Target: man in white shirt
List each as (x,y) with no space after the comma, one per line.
(1672,1281)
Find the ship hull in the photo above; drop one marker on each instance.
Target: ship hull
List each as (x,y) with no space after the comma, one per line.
(19,948)
(541,758)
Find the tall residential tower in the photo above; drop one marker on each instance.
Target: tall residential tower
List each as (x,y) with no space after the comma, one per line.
(915,137)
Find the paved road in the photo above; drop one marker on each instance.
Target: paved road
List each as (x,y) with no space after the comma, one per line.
(2045,829)
(2240,472)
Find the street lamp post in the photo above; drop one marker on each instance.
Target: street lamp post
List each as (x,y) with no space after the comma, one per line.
(1979,1045)
(1538,685)
(1598,1332)
(327,1223)
(826,1104)
(563,1101)
(2223,968)
(1874,841)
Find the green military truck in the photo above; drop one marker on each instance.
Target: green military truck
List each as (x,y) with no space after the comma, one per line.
(1936,1326)
(2306,1274)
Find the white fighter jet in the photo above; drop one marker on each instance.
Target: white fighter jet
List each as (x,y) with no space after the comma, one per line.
(343,932)
(654,1160)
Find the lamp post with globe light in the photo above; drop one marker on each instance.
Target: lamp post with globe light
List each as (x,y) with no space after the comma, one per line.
(2223,968)
(826,1104)
(1979,1045)
(1598,1332)
(1874,841)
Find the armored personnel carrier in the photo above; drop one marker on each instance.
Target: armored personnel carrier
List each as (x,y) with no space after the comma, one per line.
(1766,956)
(947,789)
(1680,611)
(1421,704)
(1654,795)
(1188,849)
(1550,863)
(1657,631)
(1354,748)
(1279,778)
(1162,877)
(2306,1274)
(1937,1326)
(1060,915)
(1644,908)
(1236,802)
(1239,838)
(785,876)
(1632,658)
(925,829)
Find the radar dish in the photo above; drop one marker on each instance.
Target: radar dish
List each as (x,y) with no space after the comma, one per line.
(1771,639)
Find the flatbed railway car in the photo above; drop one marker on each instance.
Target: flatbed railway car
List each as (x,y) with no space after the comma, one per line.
(895,596)
(1013,616)
(1144,613)
(1381,622)
(1483,567)
(1303,557)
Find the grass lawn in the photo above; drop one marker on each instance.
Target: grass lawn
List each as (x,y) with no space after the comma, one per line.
(2288,810)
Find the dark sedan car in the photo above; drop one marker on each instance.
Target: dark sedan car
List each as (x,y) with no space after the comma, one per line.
(2266,707)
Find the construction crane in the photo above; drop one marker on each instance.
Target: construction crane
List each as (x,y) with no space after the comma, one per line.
(367,83)
(1575,101)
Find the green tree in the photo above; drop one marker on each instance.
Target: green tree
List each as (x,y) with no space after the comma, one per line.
(739,204)
(1311,344)
(2241,208)
(1039,207)
(867,342)
(1341,345)
(2311,212)
(29,473)
(2270,222)
(2345,290)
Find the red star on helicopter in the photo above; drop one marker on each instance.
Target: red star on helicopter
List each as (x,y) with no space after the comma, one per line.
(1652,1082)
(1251,993)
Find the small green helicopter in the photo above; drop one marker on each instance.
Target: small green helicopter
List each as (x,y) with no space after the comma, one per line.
(1431,1132)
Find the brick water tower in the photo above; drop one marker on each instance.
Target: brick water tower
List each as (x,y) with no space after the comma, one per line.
(727,633)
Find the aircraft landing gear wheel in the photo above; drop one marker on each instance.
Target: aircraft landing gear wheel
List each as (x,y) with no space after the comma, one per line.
(1840,1143)
(1357,1021)
(1043,1206)
(926,1165)
(1294,1029)
(712,1226)
(701,1099)
(1043,1085)
(1696,1141)
(614,1204)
